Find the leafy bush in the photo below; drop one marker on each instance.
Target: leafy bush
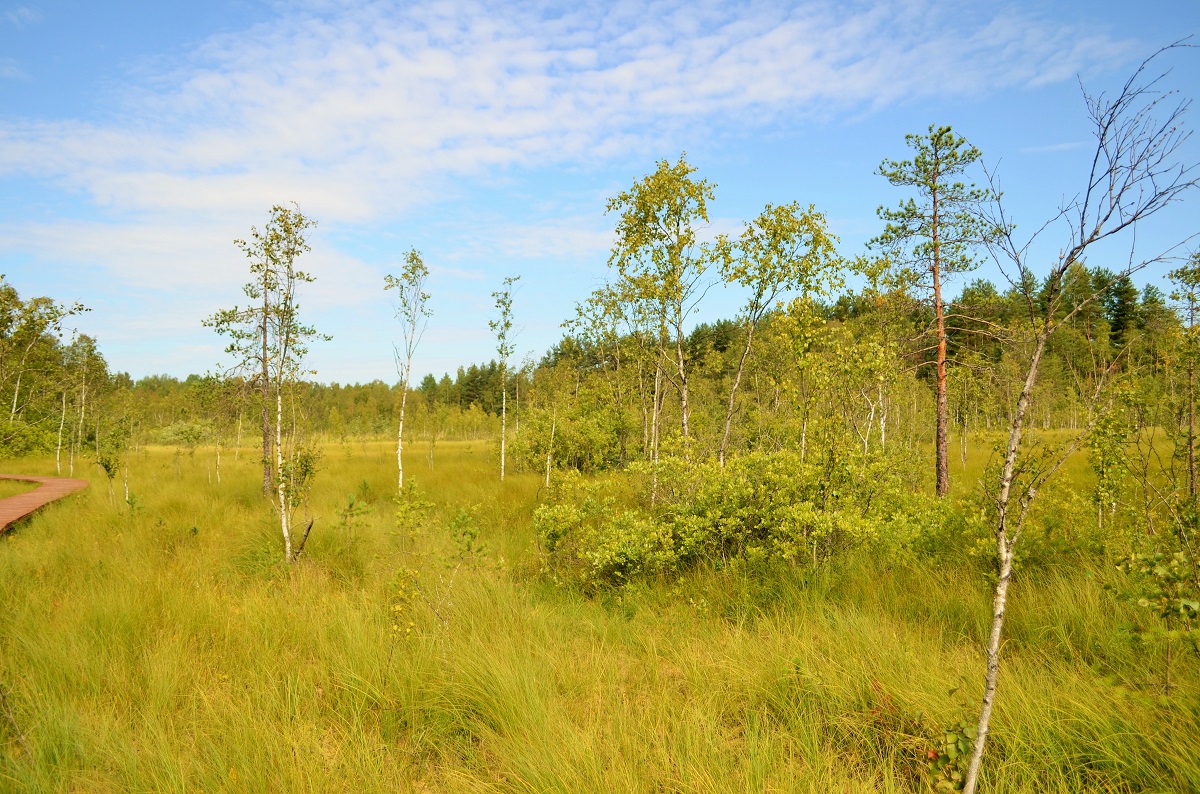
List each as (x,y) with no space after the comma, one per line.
(18,439)
(758,508)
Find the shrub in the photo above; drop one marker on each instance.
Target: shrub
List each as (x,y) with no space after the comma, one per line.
(761,508)
(18,439)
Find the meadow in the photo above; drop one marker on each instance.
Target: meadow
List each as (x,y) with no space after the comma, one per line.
(164,646)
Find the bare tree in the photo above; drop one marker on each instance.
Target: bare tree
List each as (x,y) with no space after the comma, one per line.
(1136,171)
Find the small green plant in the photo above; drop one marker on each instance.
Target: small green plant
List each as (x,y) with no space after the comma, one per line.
(412,511)
(465,533)
(948,760)
(353,509)
(1166,585)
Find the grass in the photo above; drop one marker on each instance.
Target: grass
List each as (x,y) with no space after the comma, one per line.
(168,648)
(15,487)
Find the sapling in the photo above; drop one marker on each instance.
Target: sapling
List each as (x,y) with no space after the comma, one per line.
(1135,173)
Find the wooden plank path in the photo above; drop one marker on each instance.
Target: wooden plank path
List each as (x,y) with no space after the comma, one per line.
(14,508)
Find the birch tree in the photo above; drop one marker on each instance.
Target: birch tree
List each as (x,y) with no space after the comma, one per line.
(502,327)
(1136,171)
(660,259)
(784,249)
(269,342)
(412,311)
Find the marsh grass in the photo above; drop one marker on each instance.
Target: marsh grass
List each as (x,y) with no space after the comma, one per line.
(15,487)
(167,647)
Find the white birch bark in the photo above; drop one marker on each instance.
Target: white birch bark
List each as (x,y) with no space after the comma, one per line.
(61,423)
(281,481)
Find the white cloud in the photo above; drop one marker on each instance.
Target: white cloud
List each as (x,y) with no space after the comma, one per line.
(21,17)
(1054,148)
(361,110)
(364,111)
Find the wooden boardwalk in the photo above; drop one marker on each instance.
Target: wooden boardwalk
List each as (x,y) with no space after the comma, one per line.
(14,508)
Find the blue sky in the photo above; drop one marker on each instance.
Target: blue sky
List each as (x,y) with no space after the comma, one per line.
(137,140)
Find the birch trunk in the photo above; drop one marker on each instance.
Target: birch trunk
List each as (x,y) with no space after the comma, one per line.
(12,414)
(550,447)
(1005,542)
(266,388)
(737,379)
(400,438)
(654,421)
(281,485)
(503,423)
(61,424)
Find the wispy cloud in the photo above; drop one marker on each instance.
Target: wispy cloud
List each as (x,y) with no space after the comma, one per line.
(1052,148)
(20,17)
(365,110)
(11,70)
(362,110)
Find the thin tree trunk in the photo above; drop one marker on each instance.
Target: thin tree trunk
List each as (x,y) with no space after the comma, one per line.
(942,441)
(79,429)
(503,424)
(550,447)
(281,487)
(737,380)
(266,391)
(1004,555)
(400,438)
(16,390)
(683,383)
(883,416)
(61,423)
(654,422)
(1192,488)
(804,434)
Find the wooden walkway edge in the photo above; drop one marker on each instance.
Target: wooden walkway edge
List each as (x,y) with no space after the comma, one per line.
(14,508)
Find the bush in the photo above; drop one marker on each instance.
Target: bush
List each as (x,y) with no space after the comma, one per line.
(18,439)
(761,508)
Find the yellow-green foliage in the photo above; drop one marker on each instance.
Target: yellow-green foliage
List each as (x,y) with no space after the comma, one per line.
(168,648)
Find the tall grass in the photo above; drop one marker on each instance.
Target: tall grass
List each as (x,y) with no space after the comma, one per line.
(167,647)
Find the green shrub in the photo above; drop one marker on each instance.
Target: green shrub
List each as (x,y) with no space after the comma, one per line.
(757,509)
(18,439)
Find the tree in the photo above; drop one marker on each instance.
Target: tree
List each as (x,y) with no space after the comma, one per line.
(84,371)
(269,342)
(502,327)
(936,236)
(413,313)
(1135,172)
(783,249)
(1187,292)
(23,326)
(658,257)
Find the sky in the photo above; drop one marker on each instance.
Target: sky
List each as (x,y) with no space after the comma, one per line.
(139,139)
